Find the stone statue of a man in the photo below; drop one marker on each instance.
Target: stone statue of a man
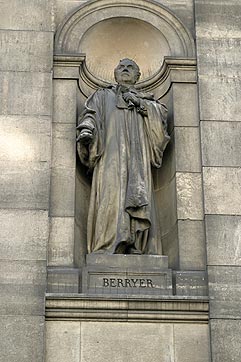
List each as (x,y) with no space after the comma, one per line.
(121,135)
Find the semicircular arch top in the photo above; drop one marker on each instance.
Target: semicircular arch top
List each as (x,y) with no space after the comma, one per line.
(150,31)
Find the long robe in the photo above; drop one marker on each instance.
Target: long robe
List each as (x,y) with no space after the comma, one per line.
(127,142)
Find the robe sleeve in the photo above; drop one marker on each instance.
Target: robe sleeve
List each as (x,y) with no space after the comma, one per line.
(155,119)
(92,119)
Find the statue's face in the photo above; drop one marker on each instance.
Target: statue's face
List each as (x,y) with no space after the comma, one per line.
(127,72)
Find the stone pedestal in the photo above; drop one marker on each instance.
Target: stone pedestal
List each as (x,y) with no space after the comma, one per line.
(126,275)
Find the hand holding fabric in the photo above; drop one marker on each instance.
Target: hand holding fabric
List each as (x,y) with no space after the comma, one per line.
(131,99)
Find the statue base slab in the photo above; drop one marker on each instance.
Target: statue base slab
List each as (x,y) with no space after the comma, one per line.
(126,275)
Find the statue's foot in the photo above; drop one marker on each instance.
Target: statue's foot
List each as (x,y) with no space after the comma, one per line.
(134,251)
(101,251)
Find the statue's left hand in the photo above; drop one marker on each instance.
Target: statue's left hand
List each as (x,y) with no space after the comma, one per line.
(85,136)
(130,97)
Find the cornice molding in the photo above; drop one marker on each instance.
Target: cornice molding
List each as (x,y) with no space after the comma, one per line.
(167,309)
(173,70)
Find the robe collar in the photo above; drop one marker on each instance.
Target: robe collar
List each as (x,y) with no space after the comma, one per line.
(120,102)
(120,89)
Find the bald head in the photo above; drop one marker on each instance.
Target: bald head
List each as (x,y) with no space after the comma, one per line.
(127,72)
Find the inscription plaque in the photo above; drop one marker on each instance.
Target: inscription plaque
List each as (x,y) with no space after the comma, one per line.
(126,283)
(126,275)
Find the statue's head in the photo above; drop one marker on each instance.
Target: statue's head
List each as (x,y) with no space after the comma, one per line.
(127,72)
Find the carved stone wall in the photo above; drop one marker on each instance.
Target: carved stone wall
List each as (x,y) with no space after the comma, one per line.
(26,34)
(218,39)
(165,51)
(157,29)
(44,193)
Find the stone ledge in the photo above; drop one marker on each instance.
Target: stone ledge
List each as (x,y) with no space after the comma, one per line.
(66,66)
(127,309)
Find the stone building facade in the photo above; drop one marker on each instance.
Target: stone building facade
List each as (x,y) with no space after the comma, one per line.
(53,55)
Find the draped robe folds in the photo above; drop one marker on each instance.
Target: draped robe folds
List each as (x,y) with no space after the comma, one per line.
(127,141)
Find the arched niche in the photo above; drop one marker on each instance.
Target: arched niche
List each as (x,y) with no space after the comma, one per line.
(106,30)
(166,56)
(108,41)
(73,28)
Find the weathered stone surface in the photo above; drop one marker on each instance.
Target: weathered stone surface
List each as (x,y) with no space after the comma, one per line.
(30,182)
(226,345)
(185,105)
(223,58)
(131,262)
(64,7)
(183,9)
(24,157)
(223,239)
(170,247)
(24,234)
(22,285)
(82,195)
(80,246)
(64,145)
(65,101)
(221,144)
(222,15)
(225,89)
(63,280)
(25,15)
(192,253)
(104,341)
(25,138)
(191,343)
(186,76)
(62,341)
(61,241)
(62,198)
(163,176)
(224,291)
(26,51)
(220,70)
(25,93)
(187,149)
(69,73)
(189,196)
(192,283)
(222,190)
(22,338)
(166,206)
(63,156)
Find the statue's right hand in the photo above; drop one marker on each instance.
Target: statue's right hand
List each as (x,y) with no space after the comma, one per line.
(85,136)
